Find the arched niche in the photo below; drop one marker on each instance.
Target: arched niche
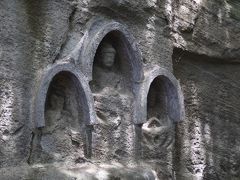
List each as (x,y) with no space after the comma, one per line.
(161,103)
(63,109)
(129,55)
(84,93)
(112,84)
(162,85)
(97,30)
(113,87)
(111,67)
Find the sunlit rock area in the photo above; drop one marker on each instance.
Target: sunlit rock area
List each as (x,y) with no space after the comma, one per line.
(119,90)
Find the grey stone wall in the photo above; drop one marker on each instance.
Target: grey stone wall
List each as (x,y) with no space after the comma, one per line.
(207,145)
(35,35)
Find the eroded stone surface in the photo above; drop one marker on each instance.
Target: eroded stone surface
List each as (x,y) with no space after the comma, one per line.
(64,137)
(211,126)
(38,34)
(86,171)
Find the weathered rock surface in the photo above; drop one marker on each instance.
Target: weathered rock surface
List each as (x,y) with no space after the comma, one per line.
(172,34)
(211,129)
(88,171)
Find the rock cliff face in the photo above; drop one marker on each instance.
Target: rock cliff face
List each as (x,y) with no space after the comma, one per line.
(211,92)
(72,107)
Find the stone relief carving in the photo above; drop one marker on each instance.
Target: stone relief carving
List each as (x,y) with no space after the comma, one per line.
(156,134)
(114,82)
(106,76)
(98,29)
(112,101)
(159,104)
(158,130)
(61,122)
(106,83)
(63,138)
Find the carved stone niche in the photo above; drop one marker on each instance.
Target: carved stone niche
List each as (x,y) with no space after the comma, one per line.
(160,105)
(63,110)
(113,97)
(110,69)
(112,62)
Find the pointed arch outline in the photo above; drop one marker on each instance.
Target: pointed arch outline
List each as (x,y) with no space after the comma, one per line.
(97,29)
(175,100)
(44,81)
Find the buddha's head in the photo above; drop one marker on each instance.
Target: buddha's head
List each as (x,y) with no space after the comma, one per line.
(108,54)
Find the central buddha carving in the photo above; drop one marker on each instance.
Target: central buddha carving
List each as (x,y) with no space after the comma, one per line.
(111,98)
(106,83)
(106,76)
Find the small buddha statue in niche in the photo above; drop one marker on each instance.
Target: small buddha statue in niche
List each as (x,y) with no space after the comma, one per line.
(106,76)
(157,105)
(107,85)
(54,113)
(58,134)
(158,130)
(57,117)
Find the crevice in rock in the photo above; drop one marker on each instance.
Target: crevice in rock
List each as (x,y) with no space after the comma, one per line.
(31,149)
(17,130)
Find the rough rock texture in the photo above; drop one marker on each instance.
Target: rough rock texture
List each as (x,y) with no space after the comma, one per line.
(208,27)
(198,39)
(84,171)
(211,127)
